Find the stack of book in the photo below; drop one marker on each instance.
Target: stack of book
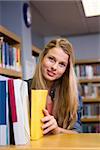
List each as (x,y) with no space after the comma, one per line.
(14,112)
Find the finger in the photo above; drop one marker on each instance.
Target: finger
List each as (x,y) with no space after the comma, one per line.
(45,111)
(49,129)
(49,123)
(46,118)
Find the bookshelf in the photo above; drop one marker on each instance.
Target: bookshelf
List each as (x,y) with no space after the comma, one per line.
(10,72)
(35,51)
(94,119)
(88,74)
(14,103)
(10,52)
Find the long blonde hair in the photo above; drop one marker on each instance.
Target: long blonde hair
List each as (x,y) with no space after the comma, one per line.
(66,93)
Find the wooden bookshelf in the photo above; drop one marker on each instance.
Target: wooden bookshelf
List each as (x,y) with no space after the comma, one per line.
(88,74)
(91,100)
(12,40)
(13,92)
(92,80)
(10,72)
(91,119)
(87,61)
(36,50)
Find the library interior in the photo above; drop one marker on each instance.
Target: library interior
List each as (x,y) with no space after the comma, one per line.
(25,28)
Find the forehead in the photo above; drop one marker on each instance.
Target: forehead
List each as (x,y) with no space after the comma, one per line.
(58,53)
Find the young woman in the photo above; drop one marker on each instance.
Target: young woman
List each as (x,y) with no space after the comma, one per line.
(55,72)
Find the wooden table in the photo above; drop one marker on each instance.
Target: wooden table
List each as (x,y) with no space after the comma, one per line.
(62,142)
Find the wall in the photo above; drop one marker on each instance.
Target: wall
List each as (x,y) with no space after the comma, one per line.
(38,41)
(86,46)
(49,38)
(0,12)
(11,16)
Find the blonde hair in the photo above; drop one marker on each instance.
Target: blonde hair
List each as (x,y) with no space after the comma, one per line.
(66,93)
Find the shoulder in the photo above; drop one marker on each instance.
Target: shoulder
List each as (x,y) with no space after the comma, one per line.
(80,103)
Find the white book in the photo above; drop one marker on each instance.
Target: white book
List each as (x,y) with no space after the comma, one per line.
(77,71)
(89,71)
(3,135)
(3,78)
(3,55)
(7,117)
(21,127)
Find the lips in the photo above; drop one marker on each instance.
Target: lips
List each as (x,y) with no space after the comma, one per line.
(50,73)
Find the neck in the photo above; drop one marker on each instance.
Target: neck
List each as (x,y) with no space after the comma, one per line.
(49,84)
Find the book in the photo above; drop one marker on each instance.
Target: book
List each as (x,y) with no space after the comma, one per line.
(3,117)
(38,102)
(18,60)
(15,117)
(1,40)
(12,100)
(21,127)
(5,132)
(2,102)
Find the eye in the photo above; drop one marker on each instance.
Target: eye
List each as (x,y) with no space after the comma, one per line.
(62,64)
(51,59)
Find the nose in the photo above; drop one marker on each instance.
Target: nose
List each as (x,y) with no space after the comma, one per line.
(54,66)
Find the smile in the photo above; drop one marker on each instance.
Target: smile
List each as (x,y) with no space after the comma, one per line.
(50,73)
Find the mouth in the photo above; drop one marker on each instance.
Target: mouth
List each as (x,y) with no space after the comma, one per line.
(50,73)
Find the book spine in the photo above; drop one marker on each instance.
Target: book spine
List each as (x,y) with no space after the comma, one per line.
(12,100)
(2,102)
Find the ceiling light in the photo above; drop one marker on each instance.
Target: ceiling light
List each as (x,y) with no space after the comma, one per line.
(91,7)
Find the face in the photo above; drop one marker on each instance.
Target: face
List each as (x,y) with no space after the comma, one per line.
(54,64)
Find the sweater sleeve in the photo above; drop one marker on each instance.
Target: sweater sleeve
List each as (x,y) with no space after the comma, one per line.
(78,125)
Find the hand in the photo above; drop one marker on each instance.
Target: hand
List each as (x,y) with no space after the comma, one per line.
(50,123)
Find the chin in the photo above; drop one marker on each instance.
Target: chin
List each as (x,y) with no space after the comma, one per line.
(49,78)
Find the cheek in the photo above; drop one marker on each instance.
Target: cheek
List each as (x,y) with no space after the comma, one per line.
(45,64)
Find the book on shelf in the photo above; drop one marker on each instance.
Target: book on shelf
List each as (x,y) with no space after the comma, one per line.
(87,70)
(91,110)
(88,74)
(14,119)
(91,128)
(1,43)
(90,90)
(9,56)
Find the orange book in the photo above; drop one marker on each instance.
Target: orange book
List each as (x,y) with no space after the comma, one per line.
(18,60)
